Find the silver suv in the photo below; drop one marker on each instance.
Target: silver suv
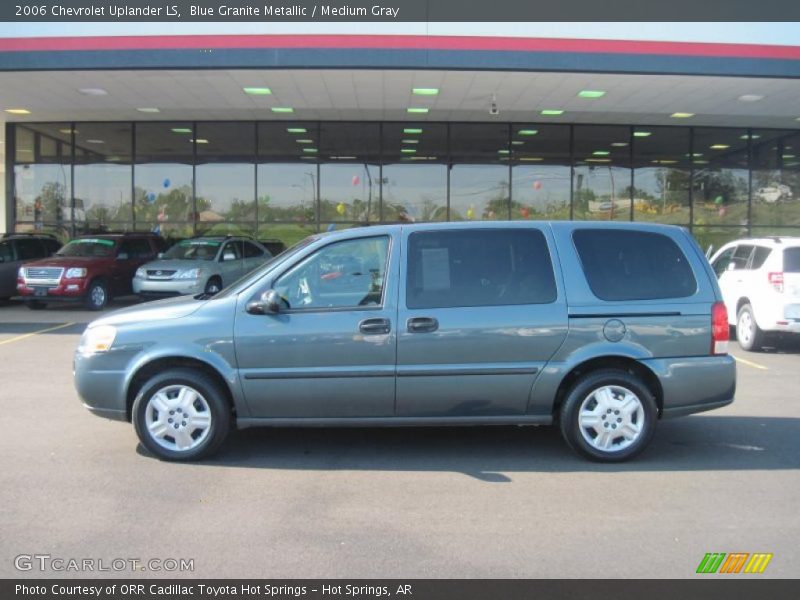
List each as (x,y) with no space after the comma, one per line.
(600,328)
(199,265)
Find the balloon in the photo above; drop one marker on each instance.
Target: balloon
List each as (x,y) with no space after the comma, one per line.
(151,197)
(356,179)
(719,200)
(470,213)
(537,185)
(341,208)
(526,212)
(166,182)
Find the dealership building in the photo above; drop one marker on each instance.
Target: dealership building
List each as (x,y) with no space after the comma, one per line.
(284,129)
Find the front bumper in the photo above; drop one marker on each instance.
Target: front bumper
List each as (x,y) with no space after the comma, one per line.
(166,287)
(694,384)
(100,380)
(66,289)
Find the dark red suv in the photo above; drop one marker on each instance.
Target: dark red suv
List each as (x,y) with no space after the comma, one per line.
(90,268)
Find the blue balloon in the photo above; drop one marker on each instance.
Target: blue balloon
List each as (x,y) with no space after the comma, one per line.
(166,183)
(151,197)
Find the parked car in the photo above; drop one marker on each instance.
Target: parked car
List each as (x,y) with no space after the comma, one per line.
(600,328)
(88,269)
(17,249)
(274,246)
(199,265)
(760,283)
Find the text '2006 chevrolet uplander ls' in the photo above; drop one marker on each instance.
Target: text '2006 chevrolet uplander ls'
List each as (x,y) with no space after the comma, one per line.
(601,328)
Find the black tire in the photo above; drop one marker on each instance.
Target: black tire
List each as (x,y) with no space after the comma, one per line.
(36,304)
(96,295)
(619,449)
(213,286)
(749,335)
(216,404)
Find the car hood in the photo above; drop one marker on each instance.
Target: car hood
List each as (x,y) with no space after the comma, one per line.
(160,310)
(69,261)
(177,265)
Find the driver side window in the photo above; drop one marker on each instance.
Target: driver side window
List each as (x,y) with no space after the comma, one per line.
(347,274)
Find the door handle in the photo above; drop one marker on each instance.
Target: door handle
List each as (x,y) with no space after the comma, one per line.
(422,325)
(375,326)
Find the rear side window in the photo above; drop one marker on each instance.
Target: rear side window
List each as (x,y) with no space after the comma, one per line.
(791,260)
(759,257)
(742,256)
(28,249)
(633,265)
(479,268)
(252,251)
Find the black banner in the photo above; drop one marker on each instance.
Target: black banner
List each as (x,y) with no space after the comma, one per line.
(264,11)
(709,588)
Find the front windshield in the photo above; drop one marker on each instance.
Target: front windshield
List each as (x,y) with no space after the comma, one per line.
(193,250)
(256,274)
(89,247)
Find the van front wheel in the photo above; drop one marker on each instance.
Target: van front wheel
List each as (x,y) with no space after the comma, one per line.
(608,416)
(181,414)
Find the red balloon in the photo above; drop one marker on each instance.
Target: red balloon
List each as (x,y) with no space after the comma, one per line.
(356,179)
(526,212)
(537,185)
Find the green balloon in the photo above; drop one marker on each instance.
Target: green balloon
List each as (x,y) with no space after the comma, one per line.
(719,200)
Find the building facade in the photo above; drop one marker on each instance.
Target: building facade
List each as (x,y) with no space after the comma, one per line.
(282,135)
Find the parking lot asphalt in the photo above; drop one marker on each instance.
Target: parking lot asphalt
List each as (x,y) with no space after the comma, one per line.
(405,503)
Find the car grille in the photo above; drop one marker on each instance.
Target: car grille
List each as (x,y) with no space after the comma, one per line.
(160,274)
(43,275)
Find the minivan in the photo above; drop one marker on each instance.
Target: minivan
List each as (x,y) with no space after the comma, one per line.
(599,328)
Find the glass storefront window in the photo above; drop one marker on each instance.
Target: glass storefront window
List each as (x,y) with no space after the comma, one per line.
(414,172)
(776,177)
(479,172)
(349,155)
(225,178)
(103,176)
(42,178)
(662,175)
(602,175)
(163,178)
(287,176)
(721,186)
(541,171)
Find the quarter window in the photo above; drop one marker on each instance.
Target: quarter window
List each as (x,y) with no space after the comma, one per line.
(633,265)
(479,268)
(347,274)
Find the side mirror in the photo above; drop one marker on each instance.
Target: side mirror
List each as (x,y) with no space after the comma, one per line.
(122,256)
(270,303)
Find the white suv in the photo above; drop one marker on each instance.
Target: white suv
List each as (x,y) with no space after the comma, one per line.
(760,282)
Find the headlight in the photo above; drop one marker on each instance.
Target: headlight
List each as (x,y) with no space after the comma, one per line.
(97,339)
(75,273)
(189,274)
(21,272)
(141,273)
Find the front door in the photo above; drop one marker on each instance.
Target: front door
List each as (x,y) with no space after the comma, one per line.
(480,315)
(331,352)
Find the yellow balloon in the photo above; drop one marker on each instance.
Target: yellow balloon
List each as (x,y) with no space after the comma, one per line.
(341,208)
(470,213)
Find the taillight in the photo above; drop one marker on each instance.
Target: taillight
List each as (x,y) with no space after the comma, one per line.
(720,334)
(776,281)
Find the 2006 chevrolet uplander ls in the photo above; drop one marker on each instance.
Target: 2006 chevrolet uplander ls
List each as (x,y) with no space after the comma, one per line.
(602,328)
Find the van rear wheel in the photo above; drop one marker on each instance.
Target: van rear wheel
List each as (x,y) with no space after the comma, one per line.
(181,414)
(608,416)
